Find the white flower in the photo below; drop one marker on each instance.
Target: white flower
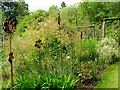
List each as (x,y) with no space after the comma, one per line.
(95,59)
(106,49)
(80,74)
(68,57)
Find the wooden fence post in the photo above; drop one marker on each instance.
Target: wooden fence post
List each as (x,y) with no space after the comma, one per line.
(119,32)
(76,23)
(59,23)
(103,33)
(94,32)
(59,19)
(80,49)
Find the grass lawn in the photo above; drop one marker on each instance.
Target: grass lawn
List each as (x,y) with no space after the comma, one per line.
(110,78)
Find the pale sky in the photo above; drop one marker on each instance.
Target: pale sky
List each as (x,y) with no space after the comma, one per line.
(45,4)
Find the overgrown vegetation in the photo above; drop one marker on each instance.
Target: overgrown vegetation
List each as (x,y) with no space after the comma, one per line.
(47,56)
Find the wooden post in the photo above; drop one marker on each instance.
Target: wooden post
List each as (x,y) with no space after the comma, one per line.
(119,32)
(59,20)
(80,49)
(104,20)
(59,23)
(81,42)
(12,80)
(11,65)
(103,33)
(76,23)
(94,32)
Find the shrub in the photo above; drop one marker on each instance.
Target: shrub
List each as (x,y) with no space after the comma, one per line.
(107,48)
(88,71)
(88,50)
(39,62)
(31,19)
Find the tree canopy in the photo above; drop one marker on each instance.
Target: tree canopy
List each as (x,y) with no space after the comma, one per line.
(63,5)
(14,9)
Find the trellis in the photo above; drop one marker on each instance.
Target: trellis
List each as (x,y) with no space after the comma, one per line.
(85,31)
(104,24)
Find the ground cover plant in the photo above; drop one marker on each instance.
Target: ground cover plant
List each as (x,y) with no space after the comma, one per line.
(49,54)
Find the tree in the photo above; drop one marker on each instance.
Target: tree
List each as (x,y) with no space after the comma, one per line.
(96,11)
(68,16)
(53,9)
(15,9)
(63,5)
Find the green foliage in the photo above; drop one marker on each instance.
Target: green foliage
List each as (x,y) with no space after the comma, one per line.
(89,70)
(28,20)
(46,81)
(58,81)
(25,82)
(15,9)
(53,11)
(94,71)
(112,29)
(41,61)
(88,50)
(59,60)
(63,5)
(107,50)
(96,11)
(68,15)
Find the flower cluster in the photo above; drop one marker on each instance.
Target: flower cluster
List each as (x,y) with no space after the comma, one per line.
(107,48)
(88,70)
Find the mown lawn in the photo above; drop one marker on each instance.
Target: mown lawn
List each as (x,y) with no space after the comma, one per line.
(110,78)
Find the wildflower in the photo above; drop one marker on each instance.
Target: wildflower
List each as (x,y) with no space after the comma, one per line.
(106,49)
(96,59)
(68,57)
(38,43)
(80,74)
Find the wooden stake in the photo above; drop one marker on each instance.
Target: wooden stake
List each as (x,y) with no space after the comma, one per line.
(11,66)
(80,49)
(12,80)
(76,23)
(103,33)
(59,22)
(119,32)
(94,33)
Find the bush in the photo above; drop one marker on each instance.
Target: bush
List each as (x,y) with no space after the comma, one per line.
(88,50)
(31,19)
(89,70)
(107,48)
(39,62)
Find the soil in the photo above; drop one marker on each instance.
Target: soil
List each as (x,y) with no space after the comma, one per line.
(90,83)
